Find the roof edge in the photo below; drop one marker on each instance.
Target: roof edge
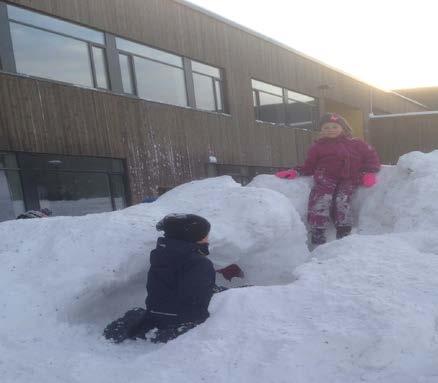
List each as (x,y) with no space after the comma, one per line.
(286,47)
(270,40)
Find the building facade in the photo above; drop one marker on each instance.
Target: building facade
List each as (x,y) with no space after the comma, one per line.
(428,96)
(106,102)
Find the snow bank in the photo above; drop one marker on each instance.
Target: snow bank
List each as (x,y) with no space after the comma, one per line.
(90,269)
(362,309)
(404,198)
(257,228)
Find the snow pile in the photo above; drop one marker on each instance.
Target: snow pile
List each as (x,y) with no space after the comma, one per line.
(93,268)
(362,309)
(257,228)
(404,198)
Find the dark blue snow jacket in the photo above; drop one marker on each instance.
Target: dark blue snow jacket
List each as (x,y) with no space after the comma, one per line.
(180,282)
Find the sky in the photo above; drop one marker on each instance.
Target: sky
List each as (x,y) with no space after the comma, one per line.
(386,43)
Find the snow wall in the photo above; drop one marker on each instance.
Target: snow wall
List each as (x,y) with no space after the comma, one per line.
(360,309)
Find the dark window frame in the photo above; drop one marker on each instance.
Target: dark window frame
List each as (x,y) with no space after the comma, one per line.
(187,73)
(132,56)
(133,72)
(132,78)
(257,107)
(93,66)
(7,60)
(214,79)
(285,97)
(112,65)
(89,43)
(30,200)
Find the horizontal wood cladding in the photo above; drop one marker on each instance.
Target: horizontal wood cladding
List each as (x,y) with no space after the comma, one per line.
(427,96)
(166,145)
(395,136)
(163,145)
(176,27)
(391,103)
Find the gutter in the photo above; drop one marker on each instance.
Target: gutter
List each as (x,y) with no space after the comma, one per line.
(395,115)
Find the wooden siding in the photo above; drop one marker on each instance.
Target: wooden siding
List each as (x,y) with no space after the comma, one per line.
(163,145)
(176,27)
(395,136)
(392,103)
(427,96)
(166,145)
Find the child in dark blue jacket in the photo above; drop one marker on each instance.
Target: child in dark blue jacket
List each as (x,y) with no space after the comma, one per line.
(181,282)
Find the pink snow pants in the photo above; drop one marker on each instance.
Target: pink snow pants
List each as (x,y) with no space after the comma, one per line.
(330,197)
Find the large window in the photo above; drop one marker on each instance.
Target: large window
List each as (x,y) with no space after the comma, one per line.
(283,106)
(161,76)
(50,48)
(46,47)
(152,74)
(208,87)
(67,185)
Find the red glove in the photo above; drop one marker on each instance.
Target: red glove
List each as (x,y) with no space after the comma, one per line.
(287,174)
(231,271)
(369,179)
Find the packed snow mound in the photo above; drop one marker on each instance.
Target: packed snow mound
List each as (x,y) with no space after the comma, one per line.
(259,229)
(362,309)
(404,198)
(91,269)
(297,190)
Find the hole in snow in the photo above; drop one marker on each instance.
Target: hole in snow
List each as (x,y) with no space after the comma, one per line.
(99,305)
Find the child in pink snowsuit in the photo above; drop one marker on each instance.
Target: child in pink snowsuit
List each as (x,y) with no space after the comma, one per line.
(339,164)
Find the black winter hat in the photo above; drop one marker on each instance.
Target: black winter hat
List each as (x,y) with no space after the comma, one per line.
(185,227)
(337,119)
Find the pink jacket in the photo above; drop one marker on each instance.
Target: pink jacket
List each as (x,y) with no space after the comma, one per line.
(340,157)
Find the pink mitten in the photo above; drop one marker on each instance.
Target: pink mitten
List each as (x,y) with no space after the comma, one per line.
(369,179)
(288,174)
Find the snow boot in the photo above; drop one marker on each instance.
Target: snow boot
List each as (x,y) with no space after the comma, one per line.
(342,231)
(318,236)
(127,326)
(164,335)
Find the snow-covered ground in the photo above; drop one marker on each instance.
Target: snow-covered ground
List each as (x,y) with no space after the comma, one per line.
(362,309)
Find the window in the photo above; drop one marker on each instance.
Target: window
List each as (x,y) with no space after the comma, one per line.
(50,23)
(152,74)
(164,77)
(283,106)
(301,110)
(11,194)
(101,73)
(145,51)
(159,82)
(73,193)
(207,83)
(127,77)
(47,47)
(67,185)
